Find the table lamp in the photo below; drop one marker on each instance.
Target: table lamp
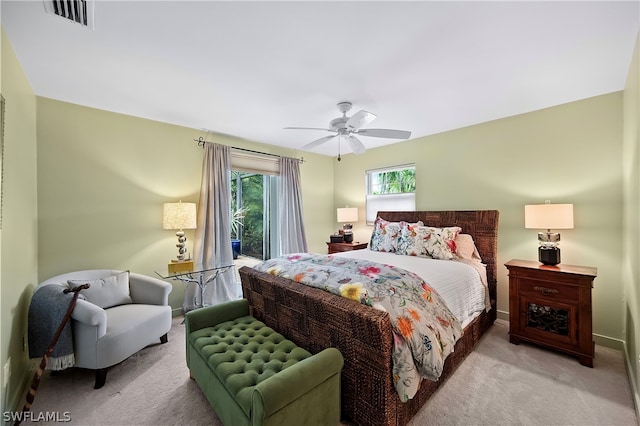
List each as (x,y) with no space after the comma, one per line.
(179,216)
(548,216)
(345,215)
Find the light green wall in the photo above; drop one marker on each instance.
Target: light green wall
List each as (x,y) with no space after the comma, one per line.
(103,178)
(631,213)
(567,154)
(18,263)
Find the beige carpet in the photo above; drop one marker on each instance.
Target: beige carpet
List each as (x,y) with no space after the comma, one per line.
(498,384)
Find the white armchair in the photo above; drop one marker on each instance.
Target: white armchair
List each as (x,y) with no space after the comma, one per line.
(105,337)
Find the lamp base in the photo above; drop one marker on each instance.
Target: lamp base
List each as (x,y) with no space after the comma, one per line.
(548,255)
(181,245)
(347,232)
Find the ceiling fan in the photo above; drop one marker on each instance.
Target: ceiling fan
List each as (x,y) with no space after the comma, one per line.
(347,128)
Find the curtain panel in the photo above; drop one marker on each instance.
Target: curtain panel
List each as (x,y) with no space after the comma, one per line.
(293,238)
(212,243)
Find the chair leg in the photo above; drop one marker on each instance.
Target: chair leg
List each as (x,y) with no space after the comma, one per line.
(101,378)
(164,338)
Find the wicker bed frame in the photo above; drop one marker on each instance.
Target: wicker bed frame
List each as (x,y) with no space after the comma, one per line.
(316,319)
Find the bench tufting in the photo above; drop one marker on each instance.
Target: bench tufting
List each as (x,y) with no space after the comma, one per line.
(251,374)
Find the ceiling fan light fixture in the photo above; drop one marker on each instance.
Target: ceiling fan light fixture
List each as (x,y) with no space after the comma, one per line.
(347,127)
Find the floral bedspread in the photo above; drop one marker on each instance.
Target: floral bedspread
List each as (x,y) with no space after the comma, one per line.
(424,329)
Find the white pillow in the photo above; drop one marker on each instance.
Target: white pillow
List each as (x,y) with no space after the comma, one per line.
(106,292)
(466,248)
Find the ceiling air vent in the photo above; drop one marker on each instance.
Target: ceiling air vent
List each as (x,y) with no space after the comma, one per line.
(78,11)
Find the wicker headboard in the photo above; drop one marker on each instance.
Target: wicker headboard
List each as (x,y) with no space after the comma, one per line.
(482,225)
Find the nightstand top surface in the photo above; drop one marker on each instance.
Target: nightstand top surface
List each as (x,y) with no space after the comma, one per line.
(353,244)
(561,267)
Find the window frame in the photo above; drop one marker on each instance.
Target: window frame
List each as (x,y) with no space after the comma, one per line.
(394,201)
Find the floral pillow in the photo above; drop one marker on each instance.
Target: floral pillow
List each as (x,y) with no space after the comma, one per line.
(411,240)
(427,241)
(440,243)
(385,236)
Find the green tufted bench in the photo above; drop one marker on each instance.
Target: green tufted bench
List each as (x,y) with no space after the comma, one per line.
(252,375)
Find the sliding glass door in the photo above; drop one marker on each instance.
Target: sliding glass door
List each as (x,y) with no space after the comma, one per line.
(254,205)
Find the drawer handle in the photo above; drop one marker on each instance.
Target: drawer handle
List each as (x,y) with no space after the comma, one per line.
(546,291)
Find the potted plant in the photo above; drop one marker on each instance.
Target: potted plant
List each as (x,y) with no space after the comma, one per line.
(236,225)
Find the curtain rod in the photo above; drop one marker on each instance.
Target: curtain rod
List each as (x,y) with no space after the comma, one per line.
(201,143)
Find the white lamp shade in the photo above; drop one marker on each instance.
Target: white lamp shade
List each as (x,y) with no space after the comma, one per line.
(179,216)
(548,216)
(347,214)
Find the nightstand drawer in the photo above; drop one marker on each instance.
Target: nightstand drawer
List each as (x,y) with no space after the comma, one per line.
(341,247)
(338,247)
(549,290)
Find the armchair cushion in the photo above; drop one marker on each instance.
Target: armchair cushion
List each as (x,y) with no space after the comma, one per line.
(114,324)
(106,292)
(92,315)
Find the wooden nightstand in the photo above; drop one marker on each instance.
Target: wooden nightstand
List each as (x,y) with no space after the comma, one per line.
(551,306)
(338,247)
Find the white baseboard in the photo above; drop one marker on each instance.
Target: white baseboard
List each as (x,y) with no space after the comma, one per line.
(503,315)
(635,391)
(609,342)
(18,399)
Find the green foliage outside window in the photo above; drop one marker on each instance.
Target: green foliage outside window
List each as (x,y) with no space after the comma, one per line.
(247,205)
(393,181)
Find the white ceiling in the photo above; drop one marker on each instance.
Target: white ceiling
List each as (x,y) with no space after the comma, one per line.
(249,69)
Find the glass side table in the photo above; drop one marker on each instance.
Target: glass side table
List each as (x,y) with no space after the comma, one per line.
(201,278)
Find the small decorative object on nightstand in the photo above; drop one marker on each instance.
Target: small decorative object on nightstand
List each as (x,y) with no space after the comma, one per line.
(338,247)
(551,306)
(336,238)
(345,215)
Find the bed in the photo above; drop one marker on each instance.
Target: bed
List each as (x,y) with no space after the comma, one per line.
(316,319)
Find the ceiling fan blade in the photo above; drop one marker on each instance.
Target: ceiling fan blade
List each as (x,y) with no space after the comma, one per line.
(308,128)
(317,142)
(356,146)
(385,133)
(359,119)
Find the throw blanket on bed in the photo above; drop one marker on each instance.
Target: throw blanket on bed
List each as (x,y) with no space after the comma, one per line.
(46,311)
(424,329)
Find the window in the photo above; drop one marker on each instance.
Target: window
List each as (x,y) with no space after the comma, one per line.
(391,188)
